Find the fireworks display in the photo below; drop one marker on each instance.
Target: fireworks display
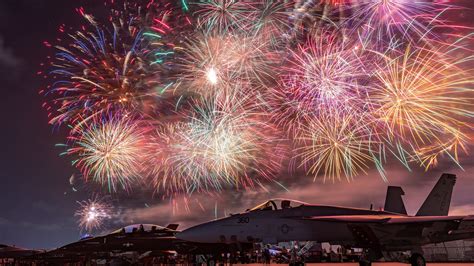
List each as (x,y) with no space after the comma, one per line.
(218,143)
(185,97)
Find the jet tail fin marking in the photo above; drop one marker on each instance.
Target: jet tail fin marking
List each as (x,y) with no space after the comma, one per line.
(438,201)
(393,201)
(173,226)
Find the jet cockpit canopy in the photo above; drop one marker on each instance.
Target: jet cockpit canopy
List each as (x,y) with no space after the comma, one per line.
(278,204)
(140,228)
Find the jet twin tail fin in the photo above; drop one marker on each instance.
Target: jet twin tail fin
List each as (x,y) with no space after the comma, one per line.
(393,201)
(438,201)
(436,204)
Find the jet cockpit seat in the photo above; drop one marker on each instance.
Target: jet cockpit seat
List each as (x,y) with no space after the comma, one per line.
(285,204)
(277,204)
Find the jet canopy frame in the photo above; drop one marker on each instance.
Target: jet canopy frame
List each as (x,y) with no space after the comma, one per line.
(277,204)
(139,228)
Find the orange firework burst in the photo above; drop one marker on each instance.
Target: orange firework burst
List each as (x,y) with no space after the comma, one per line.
(338,144)
(423,96)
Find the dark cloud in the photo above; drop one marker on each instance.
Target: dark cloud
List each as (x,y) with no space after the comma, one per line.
(43,227)
(7,59)
(10,64)
(3,221)
(362,192)
(43,206)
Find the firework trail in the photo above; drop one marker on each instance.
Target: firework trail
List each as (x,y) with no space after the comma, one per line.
(428,155)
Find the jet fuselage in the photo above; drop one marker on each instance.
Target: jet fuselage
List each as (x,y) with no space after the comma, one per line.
(278,225)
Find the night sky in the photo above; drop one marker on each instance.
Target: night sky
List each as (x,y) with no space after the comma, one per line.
(37,203)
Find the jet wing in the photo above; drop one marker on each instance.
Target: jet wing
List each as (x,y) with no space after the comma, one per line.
(351,218)
(398,232)
(381,219)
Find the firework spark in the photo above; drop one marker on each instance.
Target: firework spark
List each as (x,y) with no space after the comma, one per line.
(387,19)
(217,146)
(103,69)
(337,145)
(223,15)
(323,74)
(93,213)
(108,151)
(213,64)
(271,20)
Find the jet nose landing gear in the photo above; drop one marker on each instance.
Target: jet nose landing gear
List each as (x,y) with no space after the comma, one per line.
(364,262)
(370,255)
(417,260)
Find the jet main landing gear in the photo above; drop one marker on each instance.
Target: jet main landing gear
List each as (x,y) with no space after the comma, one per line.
(413,257)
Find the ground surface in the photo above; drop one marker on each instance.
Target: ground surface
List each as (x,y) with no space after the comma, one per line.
(373,264)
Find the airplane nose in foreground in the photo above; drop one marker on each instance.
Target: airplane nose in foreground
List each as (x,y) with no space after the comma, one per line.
(188,235)
(200,234)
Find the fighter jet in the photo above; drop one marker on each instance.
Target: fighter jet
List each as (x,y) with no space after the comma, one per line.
(147,239)
(8,253)
(389,234)
(143,240)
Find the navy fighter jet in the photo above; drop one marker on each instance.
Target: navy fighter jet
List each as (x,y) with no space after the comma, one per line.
(146,240)
(136,237)
(141,238)
(389,234)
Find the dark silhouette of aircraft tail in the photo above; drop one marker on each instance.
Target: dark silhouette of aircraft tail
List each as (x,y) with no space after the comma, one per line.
(393,201)
(438,201)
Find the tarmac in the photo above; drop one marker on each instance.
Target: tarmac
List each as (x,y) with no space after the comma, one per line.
(373,264)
